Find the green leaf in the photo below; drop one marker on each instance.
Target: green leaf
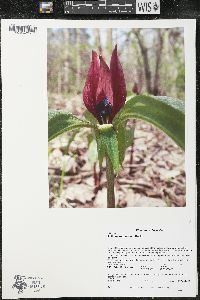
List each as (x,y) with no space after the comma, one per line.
(71,139)
(59,122)
(107,145)
(125,139)
(92,152)
(89,117)
(165,113)
(100,147)
(90,137)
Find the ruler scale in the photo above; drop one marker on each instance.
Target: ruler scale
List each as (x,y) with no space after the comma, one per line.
(112,7)
(100,7)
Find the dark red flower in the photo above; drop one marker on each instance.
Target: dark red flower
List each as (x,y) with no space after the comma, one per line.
(105,90)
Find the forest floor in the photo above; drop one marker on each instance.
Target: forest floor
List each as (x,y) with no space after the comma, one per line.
(152,174)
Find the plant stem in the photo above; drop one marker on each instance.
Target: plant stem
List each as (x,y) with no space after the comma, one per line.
(61,181)
(110,184)
(131,159)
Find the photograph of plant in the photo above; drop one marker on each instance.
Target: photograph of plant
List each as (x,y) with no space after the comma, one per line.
(116,121)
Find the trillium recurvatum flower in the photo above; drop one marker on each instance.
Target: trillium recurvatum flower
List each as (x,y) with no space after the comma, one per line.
(104,93)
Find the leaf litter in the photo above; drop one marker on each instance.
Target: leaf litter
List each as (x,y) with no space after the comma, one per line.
(152,175)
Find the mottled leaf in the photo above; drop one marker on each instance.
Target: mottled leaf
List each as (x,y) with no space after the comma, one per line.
(59,122)
(125,139)
(107,145)
(165,113)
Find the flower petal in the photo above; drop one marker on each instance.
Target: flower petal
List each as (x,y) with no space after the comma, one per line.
(104,87)
(118,83)
(90,88)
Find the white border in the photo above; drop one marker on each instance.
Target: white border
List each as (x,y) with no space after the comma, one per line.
(45,242)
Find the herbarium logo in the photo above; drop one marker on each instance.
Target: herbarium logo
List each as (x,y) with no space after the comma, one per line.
(22,29)
(21,283)
(147,7)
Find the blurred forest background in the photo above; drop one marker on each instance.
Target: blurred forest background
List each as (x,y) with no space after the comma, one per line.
(153,171)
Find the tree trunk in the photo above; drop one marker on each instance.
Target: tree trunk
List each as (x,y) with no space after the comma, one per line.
(144,52)
(109,41)
(78,60)
(65,85)
(59,83)
(97,40)
(156,87)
